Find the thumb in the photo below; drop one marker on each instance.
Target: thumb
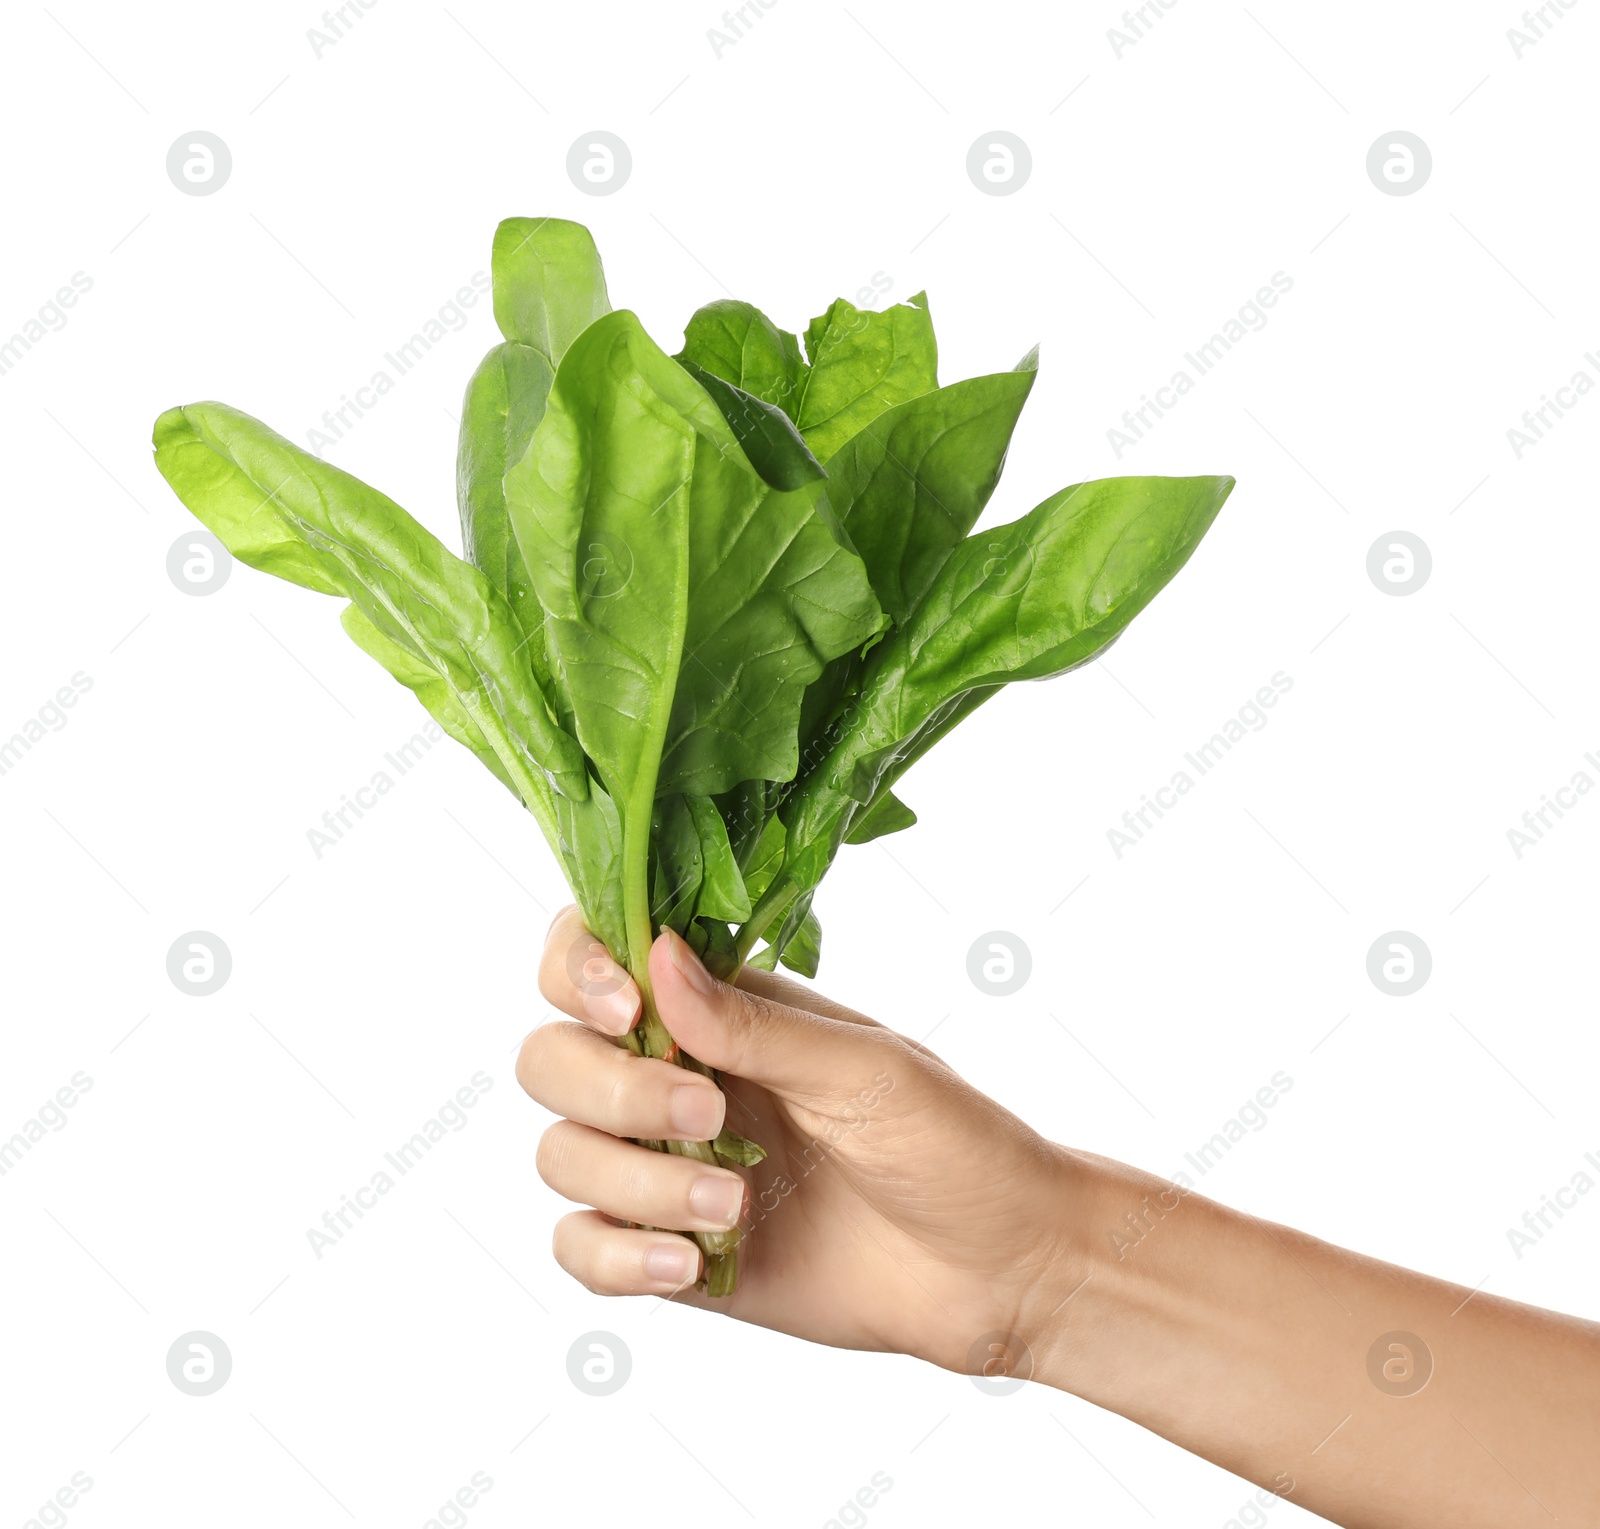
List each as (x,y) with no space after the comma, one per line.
(790,1050)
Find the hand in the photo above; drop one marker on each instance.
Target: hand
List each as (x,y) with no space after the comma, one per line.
(897,1208)
(900,1209)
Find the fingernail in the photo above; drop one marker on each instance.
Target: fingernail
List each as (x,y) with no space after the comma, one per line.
(717,1199)
(615,1009)
(695,1111)
(689,965)
(610,998)
(673,1263)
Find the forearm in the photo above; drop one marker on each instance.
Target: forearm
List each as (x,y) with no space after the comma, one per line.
(1270,1353)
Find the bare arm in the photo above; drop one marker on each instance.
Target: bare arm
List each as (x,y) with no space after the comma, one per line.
(1370,1394)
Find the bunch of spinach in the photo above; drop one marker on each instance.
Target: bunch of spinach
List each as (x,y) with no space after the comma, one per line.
(713,605)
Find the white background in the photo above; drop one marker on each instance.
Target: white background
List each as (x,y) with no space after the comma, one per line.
(826,145)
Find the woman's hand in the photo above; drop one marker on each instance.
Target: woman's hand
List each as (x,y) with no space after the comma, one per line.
(900,1209)
(897,1208)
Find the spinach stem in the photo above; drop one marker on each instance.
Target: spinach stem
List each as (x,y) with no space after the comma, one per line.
(638,924)
(722,1273)
(719,1248)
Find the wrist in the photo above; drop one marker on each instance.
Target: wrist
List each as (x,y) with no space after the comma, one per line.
(1108,1218)
(1006,1300)
(1072,1215)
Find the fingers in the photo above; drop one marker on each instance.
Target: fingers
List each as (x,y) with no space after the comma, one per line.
(634,1184)
(578,976)
(757,1037)
(615,1260)
(572,1071)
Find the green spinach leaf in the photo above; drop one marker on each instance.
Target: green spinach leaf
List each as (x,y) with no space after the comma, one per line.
(549,285)
(862,362)
(407,665)
(887,815)
(910,485)
(769,439)
(504,403)
(687,602)
(740,344)
(1026,601)
(358,542)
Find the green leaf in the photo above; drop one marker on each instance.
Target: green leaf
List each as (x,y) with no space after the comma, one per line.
(774,596)
(746,811)
(548,283)
(682,638)
(413,671)
(588,842)
(719,953)
(1026,601)
(696,876)
(736,1151)
(910,485)
(722,890)
(862,362)
(766,858)
(409,586)
(740,344)
(943,720)
(765,959)
(600,506)
(233,497)
(887,815)
(793,919)
(548,288)
(679,866)
(504,403)
(766,433)
(907,489)
(802,951)
(1046,593)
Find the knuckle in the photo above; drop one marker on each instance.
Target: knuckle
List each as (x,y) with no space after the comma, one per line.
(755,1008)
(619,1093)
(637,1184)
(756,1018)
(887,1051)
(636,1090)
(546,1054)
(879,1038)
